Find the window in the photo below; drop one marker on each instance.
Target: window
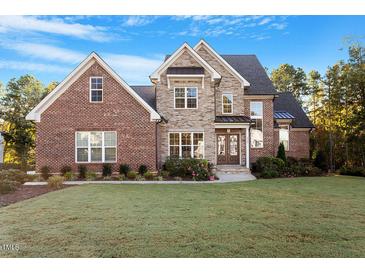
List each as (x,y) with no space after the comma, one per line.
(227,103)
(96,146)
(186,145)
(186,97)
(284,136)
(96,89)
(257,138)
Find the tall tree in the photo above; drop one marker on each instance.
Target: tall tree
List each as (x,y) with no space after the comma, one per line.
(20,97)
(288,78)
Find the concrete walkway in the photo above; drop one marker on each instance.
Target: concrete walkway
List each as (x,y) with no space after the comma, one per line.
(223,178)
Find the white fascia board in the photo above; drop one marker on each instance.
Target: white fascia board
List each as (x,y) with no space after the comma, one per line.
(157,73)
(35,114)
(243,81)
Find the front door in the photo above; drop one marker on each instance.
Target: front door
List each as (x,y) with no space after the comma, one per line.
(228,149)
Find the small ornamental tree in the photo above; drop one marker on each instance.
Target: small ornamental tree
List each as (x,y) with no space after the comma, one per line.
(281,152)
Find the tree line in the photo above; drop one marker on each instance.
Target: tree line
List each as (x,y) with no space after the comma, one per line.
(334,101)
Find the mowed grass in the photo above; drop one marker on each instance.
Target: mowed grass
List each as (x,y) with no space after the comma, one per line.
(301,217)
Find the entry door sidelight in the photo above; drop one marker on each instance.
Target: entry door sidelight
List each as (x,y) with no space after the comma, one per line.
(228,149)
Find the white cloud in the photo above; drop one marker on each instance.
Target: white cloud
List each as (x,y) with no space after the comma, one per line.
(133,69)
(134,21)
(46,52)
(30,67)
(265,21)
(54,26)
(278,26)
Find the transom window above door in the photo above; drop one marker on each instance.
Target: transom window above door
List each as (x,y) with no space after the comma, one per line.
(186,97)
(96,89)
(227,103)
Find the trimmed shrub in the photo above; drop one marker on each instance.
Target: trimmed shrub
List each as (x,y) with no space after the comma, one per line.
(82,172)
(269,173)
(69,176)
(270,167)
(7,185)
(107,170)
(45,172)
(269,163)
(139,177)
(55,181)
(124,169)
(142,169)
(192,168)
(65,169)
(132,175)
(281,152)
(164,173)
(148,175)
(314,171)
(321,160)
(90,176)
(14,175)
(352,171)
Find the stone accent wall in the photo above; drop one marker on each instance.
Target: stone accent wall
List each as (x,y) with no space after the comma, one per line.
(268,128)
(186,120)
(72,111)
(298,143)
(228,84)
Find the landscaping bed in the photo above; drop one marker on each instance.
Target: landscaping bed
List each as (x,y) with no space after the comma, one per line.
(24,192)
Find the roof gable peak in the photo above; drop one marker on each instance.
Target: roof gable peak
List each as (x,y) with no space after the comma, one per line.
(203,43)
(184,48)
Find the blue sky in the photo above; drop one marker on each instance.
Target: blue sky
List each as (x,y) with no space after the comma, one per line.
(49,47)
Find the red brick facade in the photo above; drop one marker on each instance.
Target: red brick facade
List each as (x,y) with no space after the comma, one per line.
(298,143)
(72,111)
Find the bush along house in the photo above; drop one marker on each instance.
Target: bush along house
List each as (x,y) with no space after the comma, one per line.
(222,108)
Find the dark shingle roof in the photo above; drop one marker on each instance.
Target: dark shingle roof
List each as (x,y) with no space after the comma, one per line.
(283,115)
(147,93)
(287,103)
(232,119)
(185,70)
(251,69)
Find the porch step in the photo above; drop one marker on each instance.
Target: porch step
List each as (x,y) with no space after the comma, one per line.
(232,169)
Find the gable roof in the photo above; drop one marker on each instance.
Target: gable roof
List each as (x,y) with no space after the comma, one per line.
(147,93)
(35,114)
(185,47)
(251,69)
(240,77)
(286,102)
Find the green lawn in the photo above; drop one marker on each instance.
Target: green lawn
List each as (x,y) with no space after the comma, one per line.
(302,217)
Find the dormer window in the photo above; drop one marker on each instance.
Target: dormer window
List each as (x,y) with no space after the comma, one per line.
(96,89)
(186,98)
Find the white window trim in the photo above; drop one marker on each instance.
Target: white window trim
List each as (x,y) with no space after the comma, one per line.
(186,98)
(102,148)
(231,95)
(192,143)
(287,127)
(258,117)
(102,89)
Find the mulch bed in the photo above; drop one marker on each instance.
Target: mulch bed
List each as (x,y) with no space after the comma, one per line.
(24,193)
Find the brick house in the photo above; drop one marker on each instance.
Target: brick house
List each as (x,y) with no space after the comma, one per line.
(223,108)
